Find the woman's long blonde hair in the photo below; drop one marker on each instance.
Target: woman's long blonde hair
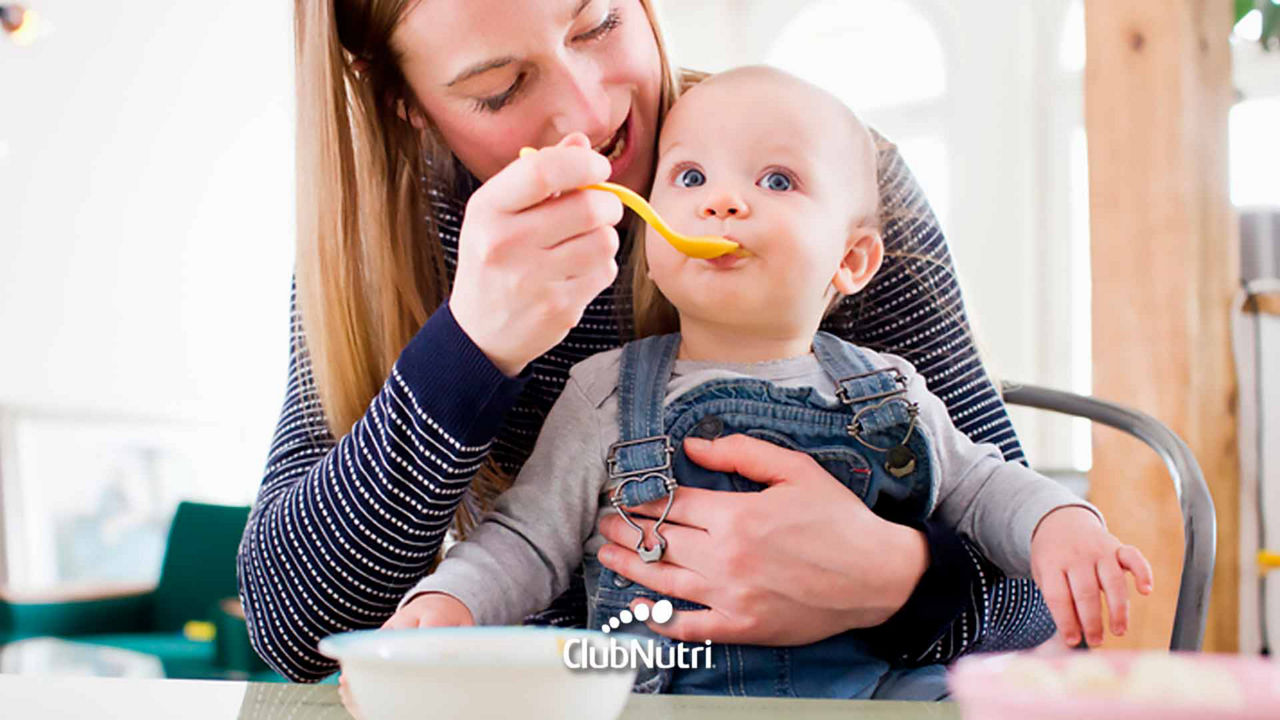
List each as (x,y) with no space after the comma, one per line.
(370,267)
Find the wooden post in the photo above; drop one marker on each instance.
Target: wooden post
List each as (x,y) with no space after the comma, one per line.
(1165,265)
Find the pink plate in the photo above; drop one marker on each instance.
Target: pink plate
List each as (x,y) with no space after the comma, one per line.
(1117,686)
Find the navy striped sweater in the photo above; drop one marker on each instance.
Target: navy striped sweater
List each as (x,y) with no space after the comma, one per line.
(343,527)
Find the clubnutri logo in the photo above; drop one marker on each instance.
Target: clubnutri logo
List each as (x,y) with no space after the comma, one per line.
(617,653)
(662,612)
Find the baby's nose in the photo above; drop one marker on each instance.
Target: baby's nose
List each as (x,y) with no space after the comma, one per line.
(724,205)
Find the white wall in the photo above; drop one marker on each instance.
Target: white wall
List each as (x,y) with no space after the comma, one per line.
(1007,118)
(146,219)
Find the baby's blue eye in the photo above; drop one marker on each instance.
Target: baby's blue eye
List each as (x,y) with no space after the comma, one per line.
(777,181)
(692,177)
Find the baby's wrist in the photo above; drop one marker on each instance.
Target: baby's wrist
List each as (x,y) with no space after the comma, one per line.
(445,607)
(1065,513)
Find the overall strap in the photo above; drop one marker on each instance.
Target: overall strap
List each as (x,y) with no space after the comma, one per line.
(877,395)
(643,450)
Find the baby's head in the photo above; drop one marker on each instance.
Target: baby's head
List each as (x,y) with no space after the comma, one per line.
(786,170)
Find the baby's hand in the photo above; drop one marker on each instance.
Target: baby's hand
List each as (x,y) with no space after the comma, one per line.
(430,610)
(1073,560)
(426,610)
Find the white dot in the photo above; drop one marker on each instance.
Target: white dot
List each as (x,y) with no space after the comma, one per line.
(642,612)
(613,622)
(662,611)
(626,616)
(604,628)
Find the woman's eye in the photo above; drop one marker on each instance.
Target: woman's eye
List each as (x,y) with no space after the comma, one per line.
(610,23)
(494,103)
(776,181)
(691,177)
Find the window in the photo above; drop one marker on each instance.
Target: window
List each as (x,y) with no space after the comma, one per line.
(842,46)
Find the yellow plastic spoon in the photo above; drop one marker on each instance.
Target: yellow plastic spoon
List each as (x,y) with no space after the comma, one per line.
(702,247)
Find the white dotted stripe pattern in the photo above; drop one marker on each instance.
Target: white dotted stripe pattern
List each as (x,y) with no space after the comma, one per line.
(341,529)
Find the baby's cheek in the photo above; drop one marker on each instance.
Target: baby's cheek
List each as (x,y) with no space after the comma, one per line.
(662,259)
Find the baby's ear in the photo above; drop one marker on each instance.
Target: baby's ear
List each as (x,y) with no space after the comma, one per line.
(864,251)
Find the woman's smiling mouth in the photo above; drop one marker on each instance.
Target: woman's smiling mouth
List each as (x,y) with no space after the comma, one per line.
(618,148)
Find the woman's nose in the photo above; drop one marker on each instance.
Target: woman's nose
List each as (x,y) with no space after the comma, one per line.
(581,103)
(724,205)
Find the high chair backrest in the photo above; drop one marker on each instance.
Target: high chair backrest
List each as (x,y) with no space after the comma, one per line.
(1199,520)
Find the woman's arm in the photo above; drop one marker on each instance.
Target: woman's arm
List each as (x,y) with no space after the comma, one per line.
(341,530)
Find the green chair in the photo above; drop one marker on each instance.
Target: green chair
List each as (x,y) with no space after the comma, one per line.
(198,574)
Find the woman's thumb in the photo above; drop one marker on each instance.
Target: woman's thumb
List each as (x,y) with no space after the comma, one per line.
(574,139)
(750,457)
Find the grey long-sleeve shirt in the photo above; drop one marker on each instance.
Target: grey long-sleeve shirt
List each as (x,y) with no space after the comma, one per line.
(523,553)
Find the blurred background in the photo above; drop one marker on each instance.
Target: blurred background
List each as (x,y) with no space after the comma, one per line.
(147,229)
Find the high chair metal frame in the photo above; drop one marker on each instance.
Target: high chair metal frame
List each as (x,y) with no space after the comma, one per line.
(1199,520)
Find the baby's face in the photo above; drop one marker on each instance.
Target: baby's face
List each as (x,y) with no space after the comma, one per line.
(778,167)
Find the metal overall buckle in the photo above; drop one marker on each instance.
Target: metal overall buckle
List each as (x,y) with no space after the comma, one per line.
(660,472)
(897,378)
(900,461)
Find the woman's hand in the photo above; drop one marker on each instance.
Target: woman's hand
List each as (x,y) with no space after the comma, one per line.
(534,251)
(1075,561)
(800,561)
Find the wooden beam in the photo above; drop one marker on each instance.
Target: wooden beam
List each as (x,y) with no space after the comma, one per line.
(1165,261)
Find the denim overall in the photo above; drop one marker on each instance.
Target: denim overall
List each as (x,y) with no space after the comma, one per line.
(862,440)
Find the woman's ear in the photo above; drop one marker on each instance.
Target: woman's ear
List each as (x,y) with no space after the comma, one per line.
(864,251)
(412,114)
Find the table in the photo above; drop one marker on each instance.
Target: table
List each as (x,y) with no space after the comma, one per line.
(55,697)
(56,656)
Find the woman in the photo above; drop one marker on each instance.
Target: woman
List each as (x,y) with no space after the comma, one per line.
(443,291)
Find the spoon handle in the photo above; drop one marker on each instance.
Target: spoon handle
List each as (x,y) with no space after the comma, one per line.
(703,246)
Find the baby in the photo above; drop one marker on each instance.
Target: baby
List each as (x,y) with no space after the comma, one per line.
(788,172)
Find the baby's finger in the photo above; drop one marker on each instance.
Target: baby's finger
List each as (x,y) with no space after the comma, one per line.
(1057,595)
(349,702)
(1131,559)
(1084,590)
(400,621)
(1117,590)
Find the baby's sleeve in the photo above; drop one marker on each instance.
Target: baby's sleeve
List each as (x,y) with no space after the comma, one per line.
(523,553)
(995,503)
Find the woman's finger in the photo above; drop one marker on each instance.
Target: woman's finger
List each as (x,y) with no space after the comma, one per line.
(686,547)
(1057,595)
(698,508)
(1117,590)
(1088,600)
(528,181)
(691,626)
(582,255)
(1131,559)
(750,457)
(557,221)
(661,577)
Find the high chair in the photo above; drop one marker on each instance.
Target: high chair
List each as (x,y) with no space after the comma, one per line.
(1199,520)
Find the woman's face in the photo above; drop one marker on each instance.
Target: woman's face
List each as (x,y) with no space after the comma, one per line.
(497,75)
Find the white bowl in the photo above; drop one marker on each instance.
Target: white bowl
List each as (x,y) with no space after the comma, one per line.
(485,672)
